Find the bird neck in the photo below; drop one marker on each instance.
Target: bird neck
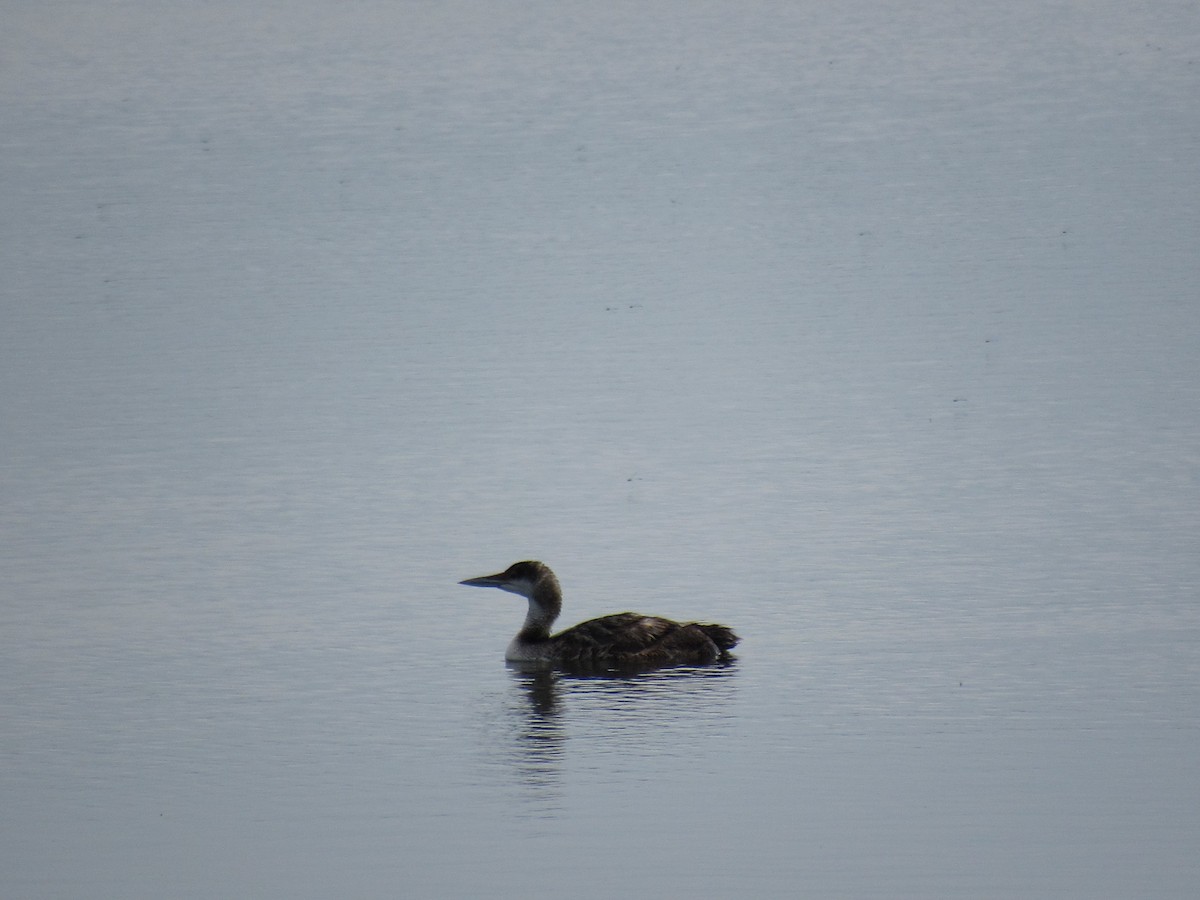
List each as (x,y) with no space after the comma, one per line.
(545,603)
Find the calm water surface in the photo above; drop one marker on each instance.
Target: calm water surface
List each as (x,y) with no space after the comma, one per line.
(869,332)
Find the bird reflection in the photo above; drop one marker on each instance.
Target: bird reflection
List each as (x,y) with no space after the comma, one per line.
(653,712)
(539,735)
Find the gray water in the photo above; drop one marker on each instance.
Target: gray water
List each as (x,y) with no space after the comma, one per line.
(867,329)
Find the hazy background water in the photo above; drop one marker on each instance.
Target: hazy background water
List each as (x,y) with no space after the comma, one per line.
(870,330)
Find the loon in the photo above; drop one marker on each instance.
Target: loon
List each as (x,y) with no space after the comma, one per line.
(621,641)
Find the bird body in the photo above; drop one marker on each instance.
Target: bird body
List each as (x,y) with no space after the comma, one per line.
(621,641)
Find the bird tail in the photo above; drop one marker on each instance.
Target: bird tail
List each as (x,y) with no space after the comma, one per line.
(723,637)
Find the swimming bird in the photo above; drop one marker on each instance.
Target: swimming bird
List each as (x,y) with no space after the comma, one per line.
(622,641)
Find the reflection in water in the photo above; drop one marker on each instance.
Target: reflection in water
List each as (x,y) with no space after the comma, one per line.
(538,734)
(665,711)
